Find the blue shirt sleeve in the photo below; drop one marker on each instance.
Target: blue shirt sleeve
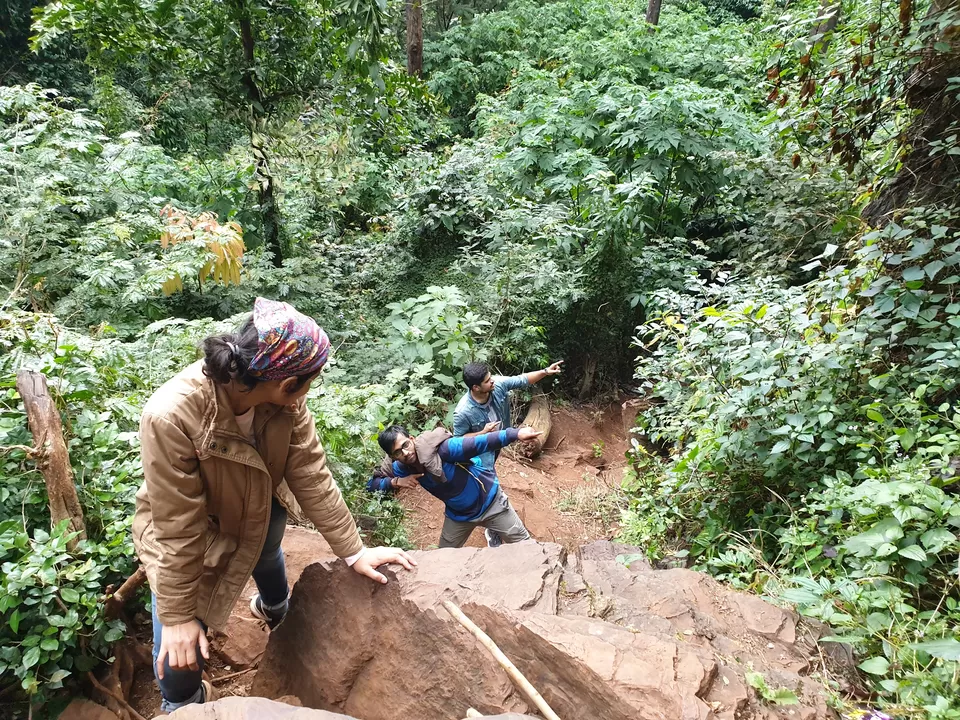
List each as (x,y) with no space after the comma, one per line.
(380,484)
(458,449)
(511,383)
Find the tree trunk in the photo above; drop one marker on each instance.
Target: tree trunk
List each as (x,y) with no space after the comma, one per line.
(538,417)
(53,461)
(926,179)
(266,184)
(415,37)
(653,12)
(266,195)
(589,371)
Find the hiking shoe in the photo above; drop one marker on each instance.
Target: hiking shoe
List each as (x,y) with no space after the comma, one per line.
(493,538)
(259,611)
(209,694)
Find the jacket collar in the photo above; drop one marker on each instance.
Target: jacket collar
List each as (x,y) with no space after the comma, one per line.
(427,445)
(220,435)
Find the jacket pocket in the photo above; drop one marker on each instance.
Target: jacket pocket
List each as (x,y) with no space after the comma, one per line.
(219,547)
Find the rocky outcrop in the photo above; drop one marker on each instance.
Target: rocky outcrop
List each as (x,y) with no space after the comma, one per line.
(596,638)
(237,708)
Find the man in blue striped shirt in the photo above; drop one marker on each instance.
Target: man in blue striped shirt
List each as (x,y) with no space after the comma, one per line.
(449,468)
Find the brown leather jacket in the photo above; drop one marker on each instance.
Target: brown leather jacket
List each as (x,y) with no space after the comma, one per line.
(203,510)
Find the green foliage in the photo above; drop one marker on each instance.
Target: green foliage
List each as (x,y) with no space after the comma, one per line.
(80,226)
(436,328)
(52,624)
(819,424)
(776,696)
(840,76)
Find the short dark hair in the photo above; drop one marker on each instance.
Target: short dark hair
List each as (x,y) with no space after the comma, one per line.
(389,436)
(475,373)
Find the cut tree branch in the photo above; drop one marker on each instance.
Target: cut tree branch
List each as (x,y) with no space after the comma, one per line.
(54,460)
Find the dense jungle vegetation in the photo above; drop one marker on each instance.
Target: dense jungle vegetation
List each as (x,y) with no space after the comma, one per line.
(748,213)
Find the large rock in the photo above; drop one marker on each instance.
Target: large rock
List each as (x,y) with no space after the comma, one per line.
(596,638)
(82,709)
(238,708)
(244,638)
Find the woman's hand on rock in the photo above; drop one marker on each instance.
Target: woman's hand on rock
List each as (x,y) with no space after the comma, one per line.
(373,558)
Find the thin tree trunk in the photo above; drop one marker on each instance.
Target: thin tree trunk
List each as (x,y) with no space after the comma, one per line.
(54,460)
(266,183)
(653,12)
(415,37)
(926,178)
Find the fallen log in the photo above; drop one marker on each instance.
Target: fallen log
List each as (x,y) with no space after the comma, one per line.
(53,460)
(538,417)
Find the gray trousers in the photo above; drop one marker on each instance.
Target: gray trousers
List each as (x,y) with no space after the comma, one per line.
(500,517)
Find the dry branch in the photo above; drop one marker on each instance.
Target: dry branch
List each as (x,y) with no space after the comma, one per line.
(54,460)
(115,601)
(515,675)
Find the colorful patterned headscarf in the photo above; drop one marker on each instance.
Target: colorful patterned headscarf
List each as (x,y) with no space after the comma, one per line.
(291,344)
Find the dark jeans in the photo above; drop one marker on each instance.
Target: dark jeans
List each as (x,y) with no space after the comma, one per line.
(182,687)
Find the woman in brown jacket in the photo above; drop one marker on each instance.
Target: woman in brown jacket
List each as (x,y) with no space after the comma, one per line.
(217,441)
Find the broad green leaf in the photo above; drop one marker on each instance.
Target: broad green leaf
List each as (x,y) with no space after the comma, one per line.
(31,657)
(913,552)
(887,531)
(782,696)
(936,539)
(875,666)
(780,447)
(913,273)
(58,675)
(69,595)
(945,649)
(907,439)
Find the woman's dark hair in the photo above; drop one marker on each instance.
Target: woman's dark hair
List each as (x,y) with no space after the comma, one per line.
(227,357)
(475,373)
(389,436)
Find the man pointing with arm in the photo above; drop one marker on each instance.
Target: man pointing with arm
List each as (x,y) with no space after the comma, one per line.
(485,407)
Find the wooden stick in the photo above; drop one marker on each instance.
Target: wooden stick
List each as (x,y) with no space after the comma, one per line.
(231,676)
(521,682)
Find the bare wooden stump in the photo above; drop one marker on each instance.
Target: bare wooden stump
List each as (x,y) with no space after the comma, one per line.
(538,417)
(115,600)
(53,460)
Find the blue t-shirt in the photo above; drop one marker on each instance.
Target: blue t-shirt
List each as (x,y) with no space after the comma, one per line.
(470,416)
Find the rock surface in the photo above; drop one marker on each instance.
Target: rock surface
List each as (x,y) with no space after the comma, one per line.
(596,638)
(81,709)
(244,638)
(236,708)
